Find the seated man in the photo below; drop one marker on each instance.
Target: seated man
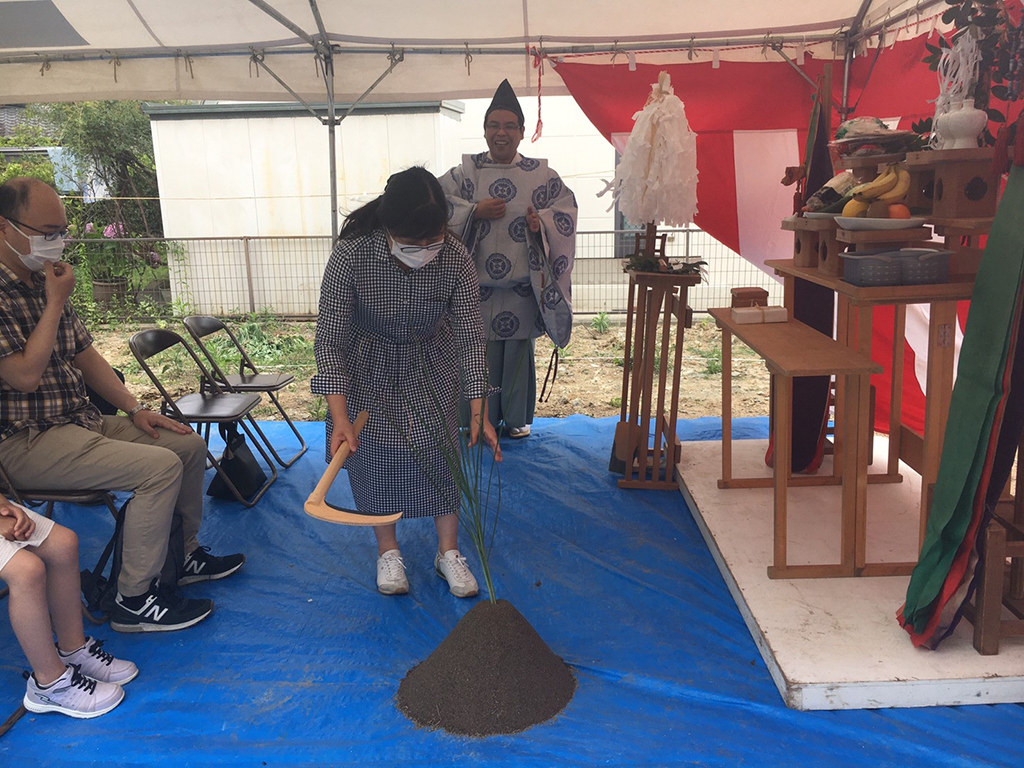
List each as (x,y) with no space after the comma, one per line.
(52,437)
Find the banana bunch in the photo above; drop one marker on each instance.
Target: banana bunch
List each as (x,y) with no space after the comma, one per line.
(873,198)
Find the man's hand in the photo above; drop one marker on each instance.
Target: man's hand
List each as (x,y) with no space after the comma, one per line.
(532,219)
(15,525)
(491,208)
(343,432)
(148,421)
(60,282)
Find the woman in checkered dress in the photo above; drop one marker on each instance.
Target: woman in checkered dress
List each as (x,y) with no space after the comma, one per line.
(399,321)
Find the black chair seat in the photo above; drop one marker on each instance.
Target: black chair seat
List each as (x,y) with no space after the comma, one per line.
(259,382)
(83,498)
(248,379)
(210,405)
(216,408)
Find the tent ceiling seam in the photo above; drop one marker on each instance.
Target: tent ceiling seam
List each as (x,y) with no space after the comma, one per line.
(145,24)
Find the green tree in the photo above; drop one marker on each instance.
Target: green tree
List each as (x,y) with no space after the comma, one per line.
(36,165)
(112,141)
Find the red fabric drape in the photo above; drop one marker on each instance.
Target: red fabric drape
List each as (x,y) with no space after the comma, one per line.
(765,96)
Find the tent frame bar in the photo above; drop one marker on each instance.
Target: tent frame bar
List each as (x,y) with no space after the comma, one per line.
(257,59)
(804,75)
(324,53)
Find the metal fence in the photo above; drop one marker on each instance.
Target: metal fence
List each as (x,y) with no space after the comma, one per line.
(281,275)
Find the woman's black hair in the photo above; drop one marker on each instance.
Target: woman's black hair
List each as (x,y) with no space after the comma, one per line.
(413,207)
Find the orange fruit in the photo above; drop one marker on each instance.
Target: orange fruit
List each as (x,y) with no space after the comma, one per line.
(899,211)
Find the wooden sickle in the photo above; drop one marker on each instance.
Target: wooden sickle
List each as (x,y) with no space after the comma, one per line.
(317,507)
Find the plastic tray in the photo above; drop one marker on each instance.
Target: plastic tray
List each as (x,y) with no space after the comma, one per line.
(872,268)
(922,266)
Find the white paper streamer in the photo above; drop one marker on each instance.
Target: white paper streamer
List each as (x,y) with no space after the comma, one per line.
(657,176)
(958,74)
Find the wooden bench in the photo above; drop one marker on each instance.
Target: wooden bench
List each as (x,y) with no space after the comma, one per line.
(789,350)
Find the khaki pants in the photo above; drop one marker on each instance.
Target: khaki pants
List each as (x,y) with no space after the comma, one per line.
(165,474)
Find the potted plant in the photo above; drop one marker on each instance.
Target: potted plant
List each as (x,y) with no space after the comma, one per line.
(107,259)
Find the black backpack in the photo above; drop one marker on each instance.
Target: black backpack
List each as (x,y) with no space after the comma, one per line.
(99,591)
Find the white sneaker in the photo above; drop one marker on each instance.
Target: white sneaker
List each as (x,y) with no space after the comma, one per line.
(451,566)
(518,432)
(73,694)
(96,663)
(391,574)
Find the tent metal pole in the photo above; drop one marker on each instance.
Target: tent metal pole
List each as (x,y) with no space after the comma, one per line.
(796,68)
(848,38)
(844,108)
(258,60)
(891,21)
(326,53)
(396,58)
(332,150)
(286,22)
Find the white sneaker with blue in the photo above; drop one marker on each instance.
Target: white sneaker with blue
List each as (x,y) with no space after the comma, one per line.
(72,694)
(94,662)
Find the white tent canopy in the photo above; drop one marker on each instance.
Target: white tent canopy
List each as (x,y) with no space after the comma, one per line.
(62,50)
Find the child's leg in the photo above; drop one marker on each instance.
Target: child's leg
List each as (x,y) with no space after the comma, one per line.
(63,586)
(25,574)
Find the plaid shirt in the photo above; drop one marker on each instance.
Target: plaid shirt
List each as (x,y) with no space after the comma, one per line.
(60,397)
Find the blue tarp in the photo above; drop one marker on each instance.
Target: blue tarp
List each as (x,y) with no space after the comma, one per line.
(302,658)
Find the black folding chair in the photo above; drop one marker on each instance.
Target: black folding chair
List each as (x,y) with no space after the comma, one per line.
(33,498)
(248,379)
(210,405)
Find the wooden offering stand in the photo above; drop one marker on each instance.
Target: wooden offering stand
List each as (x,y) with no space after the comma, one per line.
(1001,584)
(656,299)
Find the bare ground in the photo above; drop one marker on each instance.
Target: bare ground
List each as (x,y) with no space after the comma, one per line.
(589,375)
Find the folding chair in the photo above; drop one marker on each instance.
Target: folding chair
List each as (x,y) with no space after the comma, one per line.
(211,405)
(32,497)
(248,379)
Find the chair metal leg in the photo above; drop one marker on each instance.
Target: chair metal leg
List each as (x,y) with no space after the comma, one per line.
(302,443)
(49,509)
(96,620)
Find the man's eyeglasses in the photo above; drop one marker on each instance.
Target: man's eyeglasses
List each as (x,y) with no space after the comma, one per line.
(48,236)
(508,127)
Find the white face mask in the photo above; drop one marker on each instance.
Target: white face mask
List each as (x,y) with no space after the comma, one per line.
(40,251)
(415,256)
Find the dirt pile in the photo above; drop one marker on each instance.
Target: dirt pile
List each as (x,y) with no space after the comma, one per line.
(493,674)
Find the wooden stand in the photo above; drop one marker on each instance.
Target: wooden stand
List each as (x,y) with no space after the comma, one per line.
(789,350)
(1000,585)
(815,244)
(963,184)
(656,299)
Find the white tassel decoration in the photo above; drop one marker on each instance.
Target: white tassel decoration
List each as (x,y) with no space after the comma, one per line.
(657,176)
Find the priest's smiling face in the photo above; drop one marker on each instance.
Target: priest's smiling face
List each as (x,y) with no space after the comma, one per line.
(503,134)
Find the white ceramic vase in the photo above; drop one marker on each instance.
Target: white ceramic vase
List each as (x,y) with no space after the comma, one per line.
(961,126)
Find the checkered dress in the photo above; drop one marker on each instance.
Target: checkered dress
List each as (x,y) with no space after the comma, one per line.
(394,343)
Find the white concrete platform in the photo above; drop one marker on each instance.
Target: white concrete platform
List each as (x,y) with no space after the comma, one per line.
(835,643)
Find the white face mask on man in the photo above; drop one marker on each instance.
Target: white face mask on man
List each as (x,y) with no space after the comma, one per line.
(40,251)
(415,256)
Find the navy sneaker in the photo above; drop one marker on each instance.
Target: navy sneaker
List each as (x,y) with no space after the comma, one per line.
(161,609)
(200,565)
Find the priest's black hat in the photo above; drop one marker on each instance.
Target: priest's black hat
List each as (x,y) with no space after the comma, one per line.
(505,98)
